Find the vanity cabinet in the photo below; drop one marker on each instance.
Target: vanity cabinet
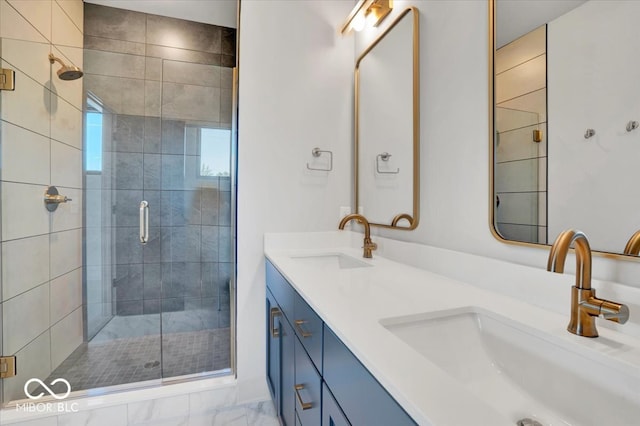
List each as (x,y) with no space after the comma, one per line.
(313,377)
(362,399)
(308,388)
(332,414)
(273,349)
(280,361)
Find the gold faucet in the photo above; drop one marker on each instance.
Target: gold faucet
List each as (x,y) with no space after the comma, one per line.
(585,306)
(633,245)
(368,246)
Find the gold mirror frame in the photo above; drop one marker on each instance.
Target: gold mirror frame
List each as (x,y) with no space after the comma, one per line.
(492,212)
(414,218)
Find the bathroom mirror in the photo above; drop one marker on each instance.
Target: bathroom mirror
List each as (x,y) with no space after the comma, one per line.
(564,120)
(387,135)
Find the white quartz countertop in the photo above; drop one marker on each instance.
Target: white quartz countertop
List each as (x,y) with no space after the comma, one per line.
(352,302)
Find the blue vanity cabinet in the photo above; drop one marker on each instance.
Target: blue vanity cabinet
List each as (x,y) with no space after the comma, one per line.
(287,371)
(280,361)
(308,388)
(273,348)
(314,379)
(308,327)
(363,400)
(332,414)
(281,290)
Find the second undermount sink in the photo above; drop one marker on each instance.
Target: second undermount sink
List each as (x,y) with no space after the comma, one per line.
(522,373)
(331,260)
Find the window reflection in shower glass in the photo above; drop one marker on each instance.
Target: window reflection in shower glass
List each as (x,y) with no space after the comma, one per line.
(215,152)
(93,142)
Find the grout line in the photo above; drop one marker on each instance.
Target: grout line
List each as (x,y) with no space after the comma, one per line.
(67,144)
(50,180)
(498,104)
(28,290)
(51,324)
(521,224)
(515,129)
(522,192)
(522,63)
(70,19)
(33,340)
(541,157)
(48,137)
(44,185)
(29,22)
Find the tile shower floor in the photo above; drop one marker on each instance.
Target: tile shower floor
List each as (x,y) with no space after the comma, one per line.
(122,354)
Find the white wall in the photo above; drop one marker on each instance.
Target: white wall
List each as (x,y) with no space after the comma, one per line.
(454,136)
(592,85)
(517,17)
(214,12)
(296,74)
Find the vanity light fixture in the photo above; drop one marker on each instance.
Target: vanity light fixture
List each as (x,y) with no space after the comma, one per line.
(365,11)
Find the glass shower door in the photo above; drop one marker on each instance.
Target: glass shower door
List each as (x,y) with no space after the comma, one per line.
(195,230)
(122,330)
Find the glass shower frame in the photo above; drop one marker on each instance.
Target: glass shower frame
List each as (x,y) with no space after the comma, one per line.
(163,379)
(232,304)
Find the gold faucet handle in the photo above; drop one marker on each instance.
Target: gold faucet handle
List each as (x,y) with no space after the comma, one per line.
(56,199)
(613,311)
(371,246)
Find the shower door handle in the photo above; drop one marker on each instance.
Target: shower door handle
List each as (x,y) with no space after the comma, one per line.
(144,222)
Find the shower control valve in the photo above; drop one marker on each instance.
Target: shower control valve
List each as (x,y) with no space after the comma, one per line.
(52,198)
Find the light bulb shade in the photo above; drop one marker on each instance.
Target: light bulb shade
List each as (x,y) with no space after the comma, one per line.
(358,22)
(366,12)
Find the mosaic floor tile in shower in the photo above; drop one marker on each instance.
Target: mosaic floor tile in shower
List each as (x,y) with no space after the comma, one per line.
(136,359)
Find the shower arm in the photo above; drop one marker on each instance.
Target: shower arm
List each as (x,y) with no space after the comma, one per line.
(53,59)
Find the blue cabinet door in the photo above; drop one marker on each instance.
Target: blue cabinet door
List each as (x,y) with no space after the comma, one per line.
(332,414)
(307,388)
(273,349)
(363,400)
(287,375)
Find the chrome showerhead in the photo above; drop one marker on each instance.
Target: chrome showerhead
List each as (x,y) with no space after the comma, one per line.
(67,72)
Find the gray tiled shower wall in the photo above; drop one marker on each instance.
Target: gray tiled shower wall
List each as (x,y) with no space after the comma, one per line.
(158,79)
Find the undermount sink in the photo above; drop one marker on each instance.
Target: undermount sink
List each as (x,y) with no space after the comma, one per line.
(331,260)
(521,372)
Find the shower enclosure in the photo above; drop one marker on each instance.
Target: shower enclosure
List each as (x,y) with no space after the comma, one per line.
(155,207)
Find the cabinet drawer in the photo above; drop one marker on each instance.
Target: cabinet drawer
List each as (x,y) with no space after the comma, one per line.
(307,389)
(308,327)
(332,414)
(363,400)
(281,290)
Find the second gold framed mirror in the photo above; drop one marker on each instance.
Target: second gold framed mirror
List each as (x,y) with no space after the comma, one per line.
(387,127)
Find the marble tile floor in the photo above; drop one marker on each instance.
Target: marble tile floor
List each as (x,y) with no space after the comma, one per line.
(133,359)
(260,413)
(255,414)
